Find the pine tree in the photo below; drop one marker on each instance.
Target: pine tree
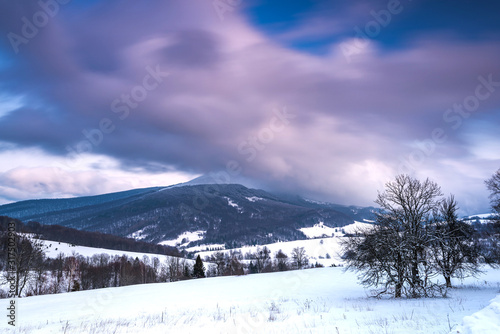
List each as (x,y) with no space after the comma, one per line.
(199,269)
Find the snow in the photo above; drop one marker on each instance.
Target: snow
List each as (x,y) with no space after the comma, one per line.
(316,249)
(205,247)
(54,248)
(484,218)
(482,215)
(233,204)
(188,236)
(254,199)
(320,230)
(323,300)
(315,202)
(484,321)
(138,235)
(357,226)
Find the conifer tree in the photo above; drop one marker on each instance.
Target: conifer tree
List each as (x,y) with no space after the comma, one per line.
(199,269)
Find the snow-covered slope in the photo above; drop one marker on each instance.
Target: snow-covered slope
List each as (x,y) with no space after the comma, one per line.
(321,230)
(483,218)
(325,300)
(324,250)
(184,239)
(54,248)
(485,321)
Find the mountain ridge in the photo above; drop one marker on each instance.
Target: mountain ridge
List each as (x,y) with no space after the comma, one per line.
(230,214)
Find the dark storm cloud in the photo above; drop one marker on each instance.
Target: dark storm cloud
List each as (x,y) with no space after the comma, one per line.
(167,83)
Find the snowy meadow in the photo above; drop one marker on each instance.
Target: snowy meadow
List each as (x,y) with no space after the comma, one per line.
(322,300)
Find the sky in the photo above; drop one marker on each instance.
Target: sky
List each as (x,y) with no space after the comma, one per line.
(326,99)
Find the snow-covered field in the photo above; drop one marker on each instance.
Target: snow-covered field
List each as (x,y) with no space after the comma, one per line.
(323,300)
(486,320)
(320,230)
(317,250)
(325,250)
(54,248)
(483,218)
(184,239)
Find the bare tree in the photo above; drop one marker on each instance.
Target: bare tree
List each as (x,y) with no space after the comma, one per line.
(38,285)
(453,251)
(281,261)
(263,259)
(70,268)
(233,265)
(394,253)
(220,261)
(491,245)
(493,185)
(25,260)
(379,254)
(299,257)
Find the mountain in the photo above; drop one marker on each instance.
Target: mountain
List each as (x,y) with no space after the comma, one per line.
(229,214)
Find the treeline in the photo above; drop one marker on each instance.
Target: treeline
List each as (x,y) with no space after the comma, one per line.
(75,273)
(26,268)
(85,238)
(35,274)
(261,261)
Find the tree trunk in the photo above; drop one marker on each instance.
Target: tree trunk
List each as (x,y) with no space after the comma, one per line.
(448,281)
(397,293)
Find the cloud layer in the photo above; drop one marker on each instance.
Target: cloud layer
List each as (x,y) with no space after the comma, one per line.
(168,87)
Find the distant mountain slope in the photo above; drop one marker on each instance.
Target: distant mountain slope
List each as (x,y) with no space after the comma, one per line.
(28,210)
(229,214)
(69,235)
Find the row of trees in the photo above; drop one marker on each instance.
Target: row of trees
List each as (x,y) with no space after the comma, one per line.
(35,274)
(38,275)
(418,237)
(86,238)
(261,261)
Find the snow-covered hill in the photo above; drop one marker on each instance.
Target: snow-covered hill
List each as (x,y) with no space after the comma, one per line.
(324,300)
(483,218)
(486,320)
(54,248)
(324,250)
(321,230)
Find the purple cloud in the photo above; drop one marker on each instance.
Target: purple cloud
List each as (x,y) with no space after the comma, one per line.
(88,84)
